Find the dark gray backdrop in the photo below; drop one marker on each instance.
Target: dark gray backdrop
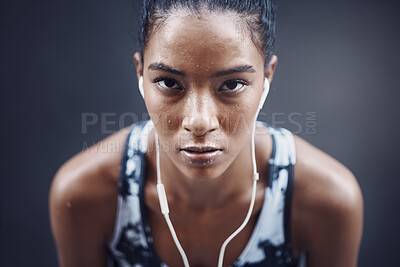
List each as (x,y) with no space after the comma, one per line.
(336,86)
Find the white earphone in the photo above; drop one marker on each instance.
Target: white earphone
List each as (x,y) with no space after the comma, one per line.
(162,196)
(141,86)
(264,94)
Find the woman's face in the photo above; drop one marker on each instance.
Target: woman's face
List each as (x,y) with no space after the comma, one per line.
(203,79)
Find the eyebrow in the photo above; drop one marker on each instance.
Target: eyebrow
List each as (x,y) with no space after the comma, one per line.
(244,68)
(238,69)
(160,66)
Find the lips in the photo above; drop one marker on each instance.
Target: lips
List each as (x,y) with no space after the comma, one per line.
(201,155)
(204,149)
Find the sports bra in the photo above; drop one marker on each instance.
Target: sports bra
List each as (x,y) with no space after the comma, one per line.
(269,243)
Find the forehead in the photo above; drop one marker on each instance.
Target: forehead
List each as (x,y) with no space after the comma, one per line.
(209,40)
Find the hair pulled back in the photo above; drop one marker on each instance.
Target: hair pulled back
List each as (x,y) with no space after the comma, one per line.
(258,15)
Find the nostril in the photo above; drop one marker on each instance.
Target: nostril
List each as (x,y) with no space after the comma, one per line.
(199,125)
(186,124)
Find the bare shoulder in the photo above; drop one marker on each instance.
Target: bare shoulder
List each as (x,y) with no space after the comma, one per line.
(327,208)
(83,201)
(319,176)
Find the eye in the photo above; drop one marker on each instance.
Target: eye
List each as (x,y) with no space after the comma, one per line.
(232,86)
(166,83)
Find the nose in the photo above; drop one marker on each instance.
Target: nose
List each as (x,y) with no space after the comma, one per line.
(200,115)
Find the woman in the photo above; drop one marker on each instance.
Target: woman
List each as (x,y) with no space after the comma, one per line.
(240,193)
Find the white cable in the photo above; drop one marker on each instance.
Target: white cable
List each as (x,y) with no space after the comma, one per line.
(158,160)
(178,245)
(241,227)
(253,146)
(253,197)
(164,206)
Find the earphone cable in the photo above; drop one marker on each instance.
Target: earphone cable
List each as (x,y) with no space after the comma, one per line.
(164,206)
(253,197)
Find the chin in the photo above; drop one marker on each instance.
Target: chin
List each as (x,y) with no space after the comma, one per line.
(201,171)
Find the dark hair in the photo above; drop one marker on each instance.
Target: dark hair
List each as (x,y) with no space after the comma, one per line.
(259,16)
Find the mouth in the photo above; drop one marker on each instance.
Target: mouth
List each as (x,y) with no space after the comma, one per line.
(201,155)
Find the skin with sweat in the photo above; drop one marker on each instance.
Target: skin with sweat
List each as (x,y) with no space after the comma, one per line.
(203,79)
(200,110)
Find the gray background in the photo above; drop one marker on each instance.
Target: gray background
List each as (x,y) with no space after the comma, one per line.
(338,59)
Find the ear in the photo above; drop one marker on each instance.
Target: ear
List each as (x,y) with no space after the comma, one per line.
(138,62)
(269,74)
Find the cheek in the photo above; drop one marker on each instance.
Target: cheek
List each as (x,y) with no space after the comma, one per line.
(166,117)
(238,120)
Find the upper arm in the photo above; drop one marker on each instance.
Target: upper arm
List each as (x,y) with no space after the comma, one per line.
(83,203)
(337,232)
(82,210)
(329,209)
